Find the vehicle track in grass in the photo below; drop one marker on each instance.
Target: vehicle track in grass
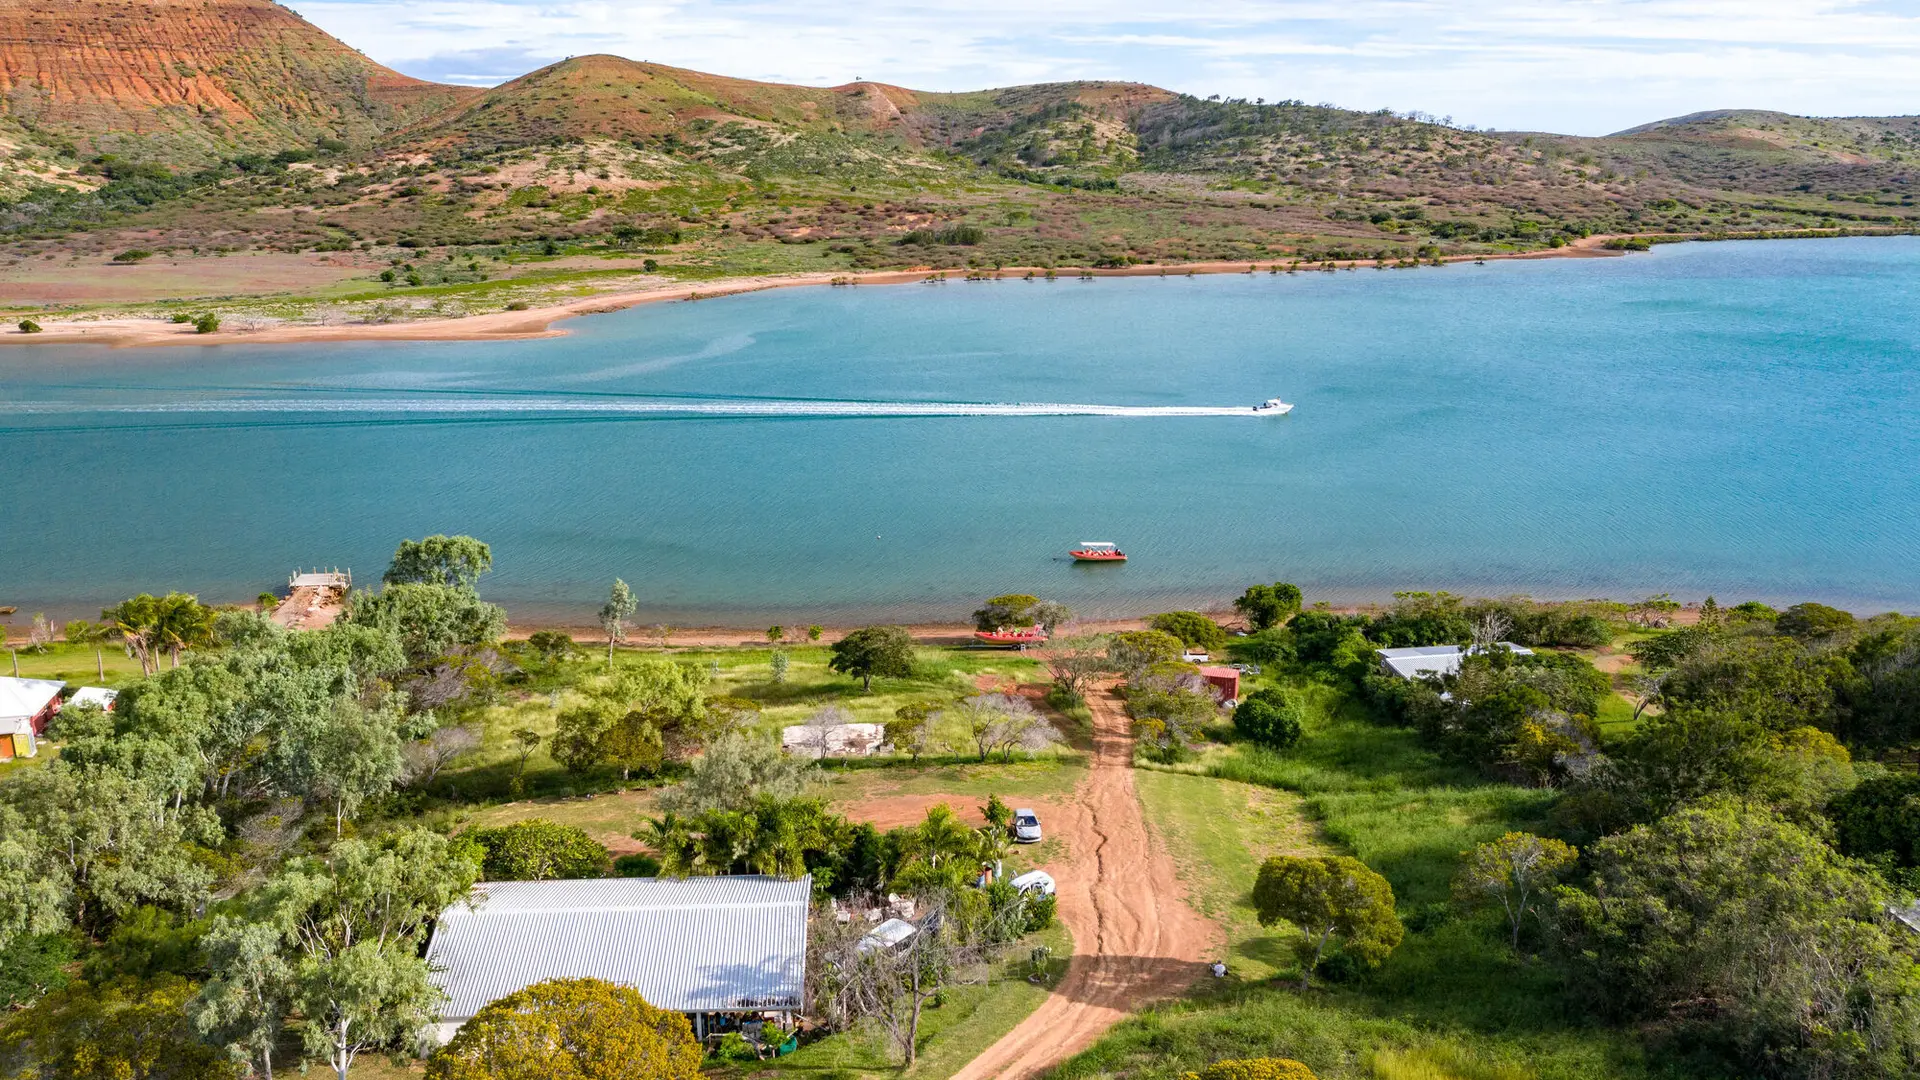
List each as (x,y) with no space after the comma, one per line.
(1136,940)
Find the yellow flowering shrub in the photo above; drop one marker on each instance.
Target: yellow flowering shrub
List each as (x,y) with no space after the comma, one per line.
(1253,1069)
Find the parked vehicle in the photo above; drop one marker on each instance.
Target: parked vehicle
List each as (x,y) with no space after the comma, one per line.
(1026,827)
(1035,881)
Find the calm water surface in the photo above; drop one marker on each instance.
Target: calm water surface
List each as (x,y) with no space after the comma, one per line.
(1727,418)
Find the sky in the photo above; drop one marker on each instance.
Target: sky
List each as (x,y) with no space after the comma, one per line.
(1584,67)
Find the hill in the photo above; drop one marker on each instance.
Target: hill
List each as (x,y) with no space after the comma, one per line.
(214,127)
(188,81)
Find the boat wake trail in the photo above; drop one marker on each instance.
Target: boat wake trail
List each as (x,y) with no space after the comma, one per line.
(556,406)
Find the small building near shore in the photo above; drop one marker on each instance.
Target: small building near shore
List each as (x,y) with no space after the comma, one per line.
(1434,660)
(1224,681)
(723,950)
(836,740)
(98,697)
(27,706)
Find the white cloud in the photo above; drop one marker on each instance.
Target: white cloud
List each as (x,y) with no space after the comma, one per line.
(1585,66)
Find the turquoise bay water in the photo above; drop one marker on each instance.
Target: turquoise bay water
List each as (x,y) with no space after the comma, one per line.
(1728,418)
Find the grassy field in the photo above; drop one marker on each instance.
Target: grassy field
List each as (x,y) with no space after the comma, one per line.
(942,676)
(1219,832)
(75,664)
(1451,1003)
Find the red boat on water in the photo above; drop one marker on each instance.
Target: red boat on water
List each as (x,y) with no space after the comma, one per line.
(1098,551)
(1017,637)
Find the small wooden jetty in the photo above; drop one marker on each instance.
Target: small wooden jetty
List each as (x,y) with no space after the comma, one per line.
(314,598)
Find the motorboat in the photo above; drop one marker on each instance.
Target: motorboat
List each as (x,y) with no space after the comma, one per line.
(1013,637)
(1098,551)
(1273,406)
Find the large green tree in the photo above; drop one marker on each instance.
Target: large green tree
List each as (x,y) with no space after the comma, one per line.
(454,561)
(1328,898)
(1268,605)
(353,921)
(883,651)
(1752,935)
(570,1029)
(538,850)
(429,620)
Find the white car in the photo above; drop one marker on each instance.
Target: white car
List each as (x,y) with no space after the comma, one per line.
(1026,827)
(1035,881)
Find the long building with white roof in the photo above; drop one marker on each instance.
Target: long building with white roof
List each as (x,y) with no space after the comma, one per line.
(702,946)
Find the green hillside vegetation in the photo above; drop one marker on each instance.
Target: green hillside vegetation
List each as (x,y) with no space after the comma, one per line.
(616,162)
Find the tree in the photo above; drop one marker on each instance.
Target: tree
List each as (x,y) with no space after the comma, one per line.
(1753,934)
(909,723)
(1050,615)
(126,1029)
(356,757)
(614,614)
(206,323)
(958,937)
(538,850)
(775,633)
(1075,664)
(1192,628)
(1880,821)
(736,770)
(442,747)
(814,632)
(453,561)
(779,663)
(243,1004)
(551,646)
(135,622)
(821,724)
(182,622)
(352,921)
(884,651)
(570,1029)
(1132,651)
(1271,717)
(1268,605)
(1811,622)
(1514,872)
(1328,897)
(1002,722)
(767,836)
(1001,612)
(428,620)
(525,742)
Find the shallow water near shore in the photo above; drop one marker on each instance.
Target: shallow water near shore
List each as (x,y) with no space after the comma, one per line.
(1734,418)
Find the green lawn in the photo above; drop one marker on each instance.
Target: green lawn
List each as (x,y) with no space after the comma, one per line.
(1219,832)
(74,664)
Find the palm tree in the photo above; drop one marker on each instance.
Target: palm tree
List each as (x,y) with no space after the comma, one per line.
(135,621)
(184,623)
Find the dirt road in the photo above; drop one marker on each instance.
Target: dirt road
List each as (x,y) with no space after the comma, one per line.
(1134,937)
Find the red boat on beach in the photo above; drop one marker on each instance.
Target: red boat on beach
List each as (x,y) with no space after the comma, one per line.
(1098,551)
(1016,637)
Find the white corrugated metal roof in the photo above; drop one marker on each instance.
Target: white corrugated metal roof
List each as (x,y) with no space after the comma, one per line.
(718,944)
(22,698)
(1432,659)
(97,696)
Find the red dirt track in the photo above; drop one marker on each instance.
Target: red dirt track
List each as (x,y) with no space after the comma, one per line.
(1135,939)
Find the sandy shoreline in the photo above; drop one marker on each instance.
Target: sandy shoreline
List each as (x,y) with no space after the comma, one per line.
(538,322)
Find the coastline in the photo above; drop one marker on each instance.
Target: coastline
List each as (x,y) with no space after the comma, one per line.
(538,322)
